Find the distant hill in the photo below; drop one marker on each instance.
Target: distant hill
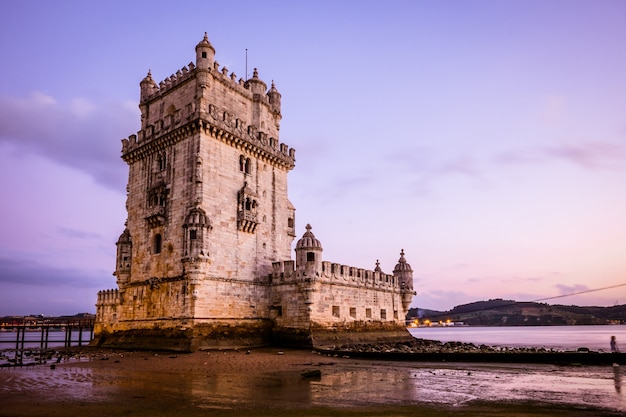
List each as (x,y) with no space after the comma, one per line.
(499,312)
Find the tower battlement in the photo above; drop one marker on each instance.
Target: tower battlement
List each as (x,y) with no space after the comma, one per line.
(286,271)
(171,111)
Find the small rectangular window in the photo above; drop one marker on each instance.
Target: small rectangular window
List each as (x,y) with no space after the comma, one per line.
(368,313)
(383,314)
(310,256)
(335,311)
(276,310)
(353,312)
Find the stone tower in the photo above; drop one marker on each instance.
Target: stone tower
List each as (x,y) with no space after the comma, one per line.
(205,258)
(207,206)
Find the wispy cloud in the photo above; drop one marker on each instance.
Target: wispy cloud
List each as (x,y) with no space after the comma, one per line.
(423,167)
(566,289)
(32,273)
(80,134)
(589,155)
(78,234)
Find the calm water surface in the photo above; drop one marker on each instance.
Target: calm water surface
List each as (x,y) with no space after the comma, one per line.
(556,337)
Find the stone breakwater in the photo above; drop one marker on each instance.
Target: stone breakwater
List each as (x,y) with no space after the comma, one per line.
(431,350)
(435,346)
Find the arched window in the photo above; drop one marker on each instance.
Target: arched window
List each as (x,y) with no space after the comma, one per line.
(161,162)
(157,243)
(247,166)
(242,163)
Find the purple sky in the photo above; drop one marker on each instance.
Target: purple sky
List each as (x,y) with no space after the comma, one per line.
(486,138)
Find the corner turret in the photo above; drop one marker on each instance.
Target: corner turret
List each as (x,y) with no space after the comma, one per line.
(404,275)
(257,85)
(309,254)
(124,258)
(274,97)
(205,54)
(147,88)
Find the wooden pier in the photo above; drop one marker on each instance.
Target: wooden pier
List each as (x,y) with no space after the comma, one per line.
(73,330)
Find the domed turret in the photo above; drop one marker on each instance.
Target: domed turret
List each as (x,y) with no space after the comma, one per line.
(309,252)
(257,85)
(147,86)
(402,265)
(197,217)
(195,230)
(308,240)
(205,53)
(274,97)
(404,275)
(124,258)
(403,272)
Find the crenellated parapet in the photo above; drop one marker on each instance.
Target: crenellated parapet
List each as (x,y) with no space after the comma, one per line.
(283,272)
(108,297)
(181,119)
(334,273)
(218,74)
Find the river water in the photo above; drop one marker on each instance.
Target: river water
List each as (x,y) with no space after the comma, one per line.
(595,338)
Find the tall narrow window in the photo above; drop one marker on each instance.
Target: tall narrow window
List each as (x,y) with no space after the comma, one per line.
(157,243)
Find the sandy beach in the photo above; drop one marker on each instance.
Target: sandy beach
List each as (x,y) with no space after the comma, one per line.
(274,382)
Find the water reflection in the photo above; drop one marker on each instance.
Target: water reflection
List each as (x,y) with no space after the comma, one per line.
(347,384)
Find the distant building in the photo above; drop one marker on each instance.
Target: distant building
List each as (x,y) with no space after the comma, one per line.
(205,258)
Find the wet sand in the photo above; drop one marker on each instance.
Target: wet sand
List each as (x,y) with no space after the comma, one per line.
(270,382)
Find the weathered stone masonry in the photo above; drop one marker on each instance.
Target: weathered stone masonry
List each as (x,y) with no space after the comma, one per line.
(205,258)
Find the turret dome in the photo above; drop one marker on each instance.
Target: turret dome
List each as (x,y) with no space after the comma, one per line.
(204,43)
(308,240)
(402,264)
(197,217)
(124,237)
